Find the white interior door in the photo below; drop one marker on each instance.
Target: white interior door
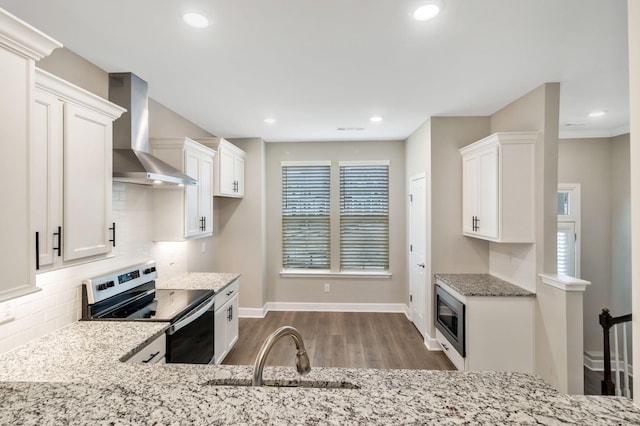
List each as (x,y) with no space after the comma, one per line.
(418,278)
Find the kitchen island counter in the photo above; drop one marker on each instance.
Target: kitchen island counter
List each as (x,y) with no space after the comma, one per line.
(75,376)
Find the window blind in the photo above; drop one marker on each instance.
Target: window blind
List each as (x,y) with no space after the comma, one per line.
(566,249)
(364,217)
(305,217)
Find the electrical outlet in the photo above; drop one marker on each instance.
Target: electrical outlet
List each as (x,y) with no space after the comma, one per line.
(327,287)
(204,247)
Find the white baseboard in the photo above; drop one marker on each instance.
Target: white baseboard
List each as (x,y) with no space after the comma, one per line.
(594,361)
(431,343)
(324,307)
(252,312)
(337,307)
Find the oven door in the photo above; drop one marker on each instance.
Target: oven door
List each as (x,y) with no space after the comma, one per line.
(190,339)
(450,319)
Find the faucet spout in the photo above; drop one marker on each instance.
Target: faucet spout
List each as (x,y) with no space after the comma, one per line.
(302,359)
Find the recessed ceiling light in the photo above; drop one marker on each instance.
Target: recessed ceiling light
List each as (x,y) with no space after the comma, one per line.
(270,120)
(597,113)
(427,11)
(375,119)
(196,20)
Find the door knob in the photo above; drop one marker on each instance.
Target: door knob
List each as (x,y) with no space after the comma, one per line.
(421,265)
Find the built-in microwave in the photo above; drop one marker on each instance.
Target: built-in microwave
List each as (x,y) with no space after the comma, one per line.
(450,319)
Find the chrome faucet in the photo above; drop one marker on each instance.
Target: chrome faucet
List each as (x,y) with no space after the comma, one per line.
(302,359)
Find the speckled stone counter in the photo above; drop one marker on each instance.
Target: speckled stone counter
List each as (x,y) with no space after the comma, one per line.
(215,281)
(74,376)
(482,285)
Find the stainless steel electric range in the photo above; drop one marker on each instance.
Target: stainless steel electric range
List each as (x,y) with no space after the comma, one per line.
(130,294)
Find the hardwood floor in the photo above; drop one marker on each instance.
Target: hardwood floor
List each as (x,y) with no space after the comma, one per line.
(340,339)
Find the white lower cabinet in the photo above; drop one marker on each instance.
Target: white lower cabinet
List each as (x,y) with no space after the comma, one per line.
(226,321)
(153,353)
(498,333)
(71,135)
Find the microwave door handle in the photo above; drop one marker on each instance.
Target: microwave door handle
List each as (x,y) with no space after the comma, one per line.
(194,315)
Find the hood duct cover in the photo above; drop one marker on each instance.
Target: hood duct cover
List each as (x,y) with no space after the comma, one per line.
(131,159)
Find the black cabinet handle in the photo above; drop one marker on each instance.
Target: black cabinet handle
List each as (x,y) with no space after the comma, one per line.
(204,221)
(474,222)
(59,235)
(37,250)
(114,234)
(151,357)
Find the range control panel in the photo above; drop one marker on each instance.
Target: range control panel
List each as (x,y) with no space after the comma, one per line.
(104,286)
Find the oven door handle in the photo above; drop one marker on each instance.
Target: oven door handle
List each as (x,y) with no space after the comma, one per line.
(194,315)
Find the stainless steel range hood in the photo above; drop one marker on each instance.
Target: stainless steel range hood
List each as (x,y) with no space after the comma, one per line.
(131,159)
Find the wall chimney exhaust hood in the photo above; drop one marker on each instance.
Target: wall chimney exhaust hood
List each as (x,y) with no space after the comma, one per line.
(131,159)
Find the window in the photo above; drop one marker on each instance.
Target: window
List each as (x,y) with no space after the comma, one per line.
(356,204)
(364,216)
(306,216)
(569,230)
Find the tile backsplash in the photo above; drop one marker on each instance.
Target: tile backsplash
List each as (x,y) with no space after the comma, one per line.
(58,304)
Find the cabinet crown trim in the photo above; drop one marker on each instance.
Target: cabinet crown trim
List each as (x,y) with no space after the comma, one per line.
(217,143)
(69,92)
(184,142)
(501,138)
(22,38)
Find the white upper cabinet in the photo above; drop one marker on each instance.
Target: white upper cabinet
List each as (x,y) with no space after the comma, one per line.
(20,46)
(71,161)
(184,212)
(228,168)
(498,188)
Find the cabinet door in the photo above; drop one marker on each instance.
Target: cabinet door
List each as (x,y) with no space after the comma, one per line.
(220,334)
(226,175)
(470,189)
(487,224)
(46,175)
(191,195)
(205,182)
(87,182)
(232,324)
(238,172)
(17,249)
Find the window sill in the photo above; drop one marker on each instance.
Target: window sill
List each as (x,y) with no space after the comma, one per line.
(301,273)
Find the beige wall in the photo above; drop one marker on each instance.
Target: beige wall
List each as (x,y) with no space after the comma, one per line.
(343,290)
(240,229)
(555,360)
(588,162)
(452,252)
(67,65)
(620,226)
(634,114)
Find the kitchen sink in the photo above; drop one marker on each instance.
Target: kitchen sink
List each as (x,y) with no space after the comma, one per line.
(284,383)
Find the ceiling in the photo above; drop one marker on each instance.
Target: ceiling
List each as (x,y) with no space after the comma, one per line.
(320,65)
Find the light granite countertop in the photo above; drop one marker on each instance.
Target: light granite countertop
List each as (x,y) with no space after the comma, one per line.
(482,285)
(215,281)
(75,376)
